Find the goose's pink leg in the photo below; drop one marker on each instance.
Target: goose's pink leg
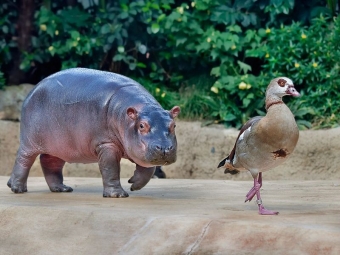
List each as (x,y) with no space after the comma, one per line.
(262,210)
(255,188)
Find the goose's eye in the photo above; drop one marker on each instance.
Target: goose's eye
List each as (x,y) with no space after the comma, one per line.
(141,125)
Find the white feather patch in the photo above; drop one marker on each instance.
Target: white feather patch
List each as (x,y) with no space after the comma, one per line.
(289,81)
(242,135)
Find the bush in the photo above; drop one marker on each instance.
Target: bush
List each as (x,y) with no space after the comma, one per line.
(214,58)
(95,37)
(309,56)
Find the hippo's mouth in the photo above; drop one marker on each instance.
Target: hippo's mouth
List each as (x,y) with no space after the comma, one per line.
(163,161)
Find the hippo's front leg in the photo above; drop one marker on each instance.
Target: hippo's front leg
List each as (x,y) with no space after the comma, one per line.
(141,177)
(109,164)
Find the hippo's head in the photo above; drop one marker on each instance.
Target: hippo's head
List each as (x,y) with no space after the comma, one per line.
(151,139)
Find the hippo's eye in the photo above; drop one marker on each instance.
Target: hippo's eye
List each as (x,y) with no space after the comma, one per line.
(144,127)
(172,127)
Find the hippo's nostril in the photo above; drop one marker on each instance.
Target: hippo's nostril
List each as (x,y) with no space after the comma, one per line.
(159,148)
(168,149)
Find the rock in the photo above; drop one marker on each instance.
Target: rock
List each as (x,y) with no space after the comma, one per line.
(11,101)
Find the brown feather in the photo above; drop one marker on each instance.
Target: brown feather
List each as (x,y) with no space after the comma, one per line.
(248,124)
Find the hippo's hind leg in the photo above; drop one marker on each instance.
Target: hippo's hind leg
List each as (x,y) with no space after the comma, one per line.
(53,171)
(141,177)
(21,169)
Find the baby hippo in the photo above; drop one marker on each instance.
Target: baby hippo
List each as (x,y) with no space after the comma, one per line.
(83,116)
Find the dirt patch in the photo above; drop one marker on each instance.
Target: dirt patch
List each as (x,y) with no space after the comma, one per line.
(200,149)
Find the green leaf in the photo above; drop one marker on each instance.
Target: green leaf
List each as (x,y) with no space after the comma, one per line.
(246,102)
(153,66)
(105,29)
(161,17)
(228,117)
(5,29)
(121,49)
(262,32)
(277,3)
(203,47)
(155,28)
(250,96)
(124,15)
(111,38)
(303,111)
(227,45)
(142,49)
(303,124)
(214,54)
(124,7)
(216,71)
(181,41)
(244,67)
(118,57)
(75,34)
(132,66)
(141,65)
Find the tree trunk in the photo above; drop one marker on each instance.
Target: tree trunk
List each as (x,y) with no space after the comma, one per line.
(24,28)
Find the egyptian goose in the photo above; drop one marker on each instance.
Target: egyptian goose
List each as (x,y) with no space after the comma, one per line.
(265,142)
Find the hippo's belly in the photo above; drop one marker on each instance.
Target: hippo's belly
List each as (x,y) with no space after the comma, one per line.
(72,156)
(72,138)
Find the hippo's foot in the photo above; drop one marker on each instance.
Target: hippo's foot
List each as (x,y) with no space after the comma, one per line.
(135,185)
(141,177)
(60,188)
(115,192)
(17,187)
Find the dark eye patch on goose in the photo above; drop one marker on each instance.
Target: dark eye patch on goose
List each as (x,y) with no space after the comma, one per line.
(282,82)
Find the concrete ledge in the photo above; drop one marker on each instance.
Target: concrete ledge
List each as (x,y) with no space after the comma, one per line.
(171,217)
(200,149)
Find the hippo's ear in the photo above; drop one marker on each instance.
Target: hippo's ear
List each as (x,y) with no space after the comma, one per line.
(132,113)
(175,111)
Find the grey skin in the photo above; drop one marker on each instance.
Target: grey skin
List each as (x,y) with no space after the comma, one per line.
(83,116)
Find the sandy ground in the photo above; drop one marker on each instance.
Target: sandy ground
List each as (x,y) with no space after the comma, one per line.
(171,216)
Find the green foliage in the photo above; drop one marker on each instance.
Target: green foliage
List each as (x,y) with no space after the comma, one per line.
(309,56)
(160,92)
(214,58)
(211,37)
(196,100)
(215,37)
(118,34)
(241,97)
(7,30)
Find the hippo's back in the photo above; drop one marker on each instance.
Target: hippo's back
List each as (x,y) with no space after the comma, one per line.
(83,84)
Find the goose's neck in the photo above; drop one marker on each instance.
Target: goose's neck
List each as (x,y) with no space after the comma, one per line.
(272,100)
